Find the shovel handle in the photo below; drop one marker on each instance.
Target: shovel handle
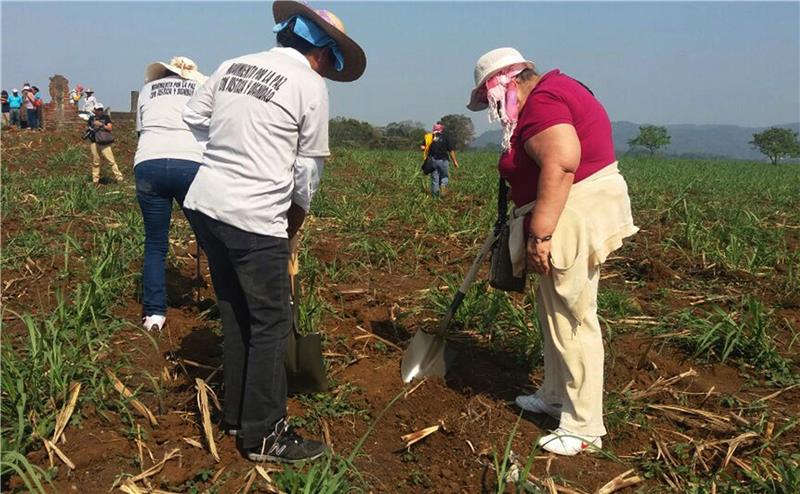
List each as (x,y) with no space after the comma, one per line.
(491,238)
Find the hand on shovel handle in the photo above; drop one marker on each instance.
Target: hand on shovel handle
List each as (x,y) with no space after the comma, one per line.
(294,258)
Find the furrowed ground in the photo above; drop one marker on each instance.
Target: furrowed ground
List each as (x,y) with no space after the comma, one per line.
(700,310)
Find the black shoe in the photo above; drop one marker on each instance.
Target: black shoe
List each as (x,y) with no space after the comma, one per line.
(285,446)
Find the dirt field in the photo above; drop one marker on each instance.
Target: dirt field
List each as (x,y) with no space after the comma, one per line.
(701,311)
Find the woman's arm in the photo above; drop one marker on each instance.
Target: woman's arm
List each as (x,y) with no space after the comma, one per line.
(453,158)
(557,151)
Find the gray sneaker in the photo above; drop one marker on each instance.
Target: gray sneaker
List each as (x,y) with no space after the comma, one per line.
(284,445)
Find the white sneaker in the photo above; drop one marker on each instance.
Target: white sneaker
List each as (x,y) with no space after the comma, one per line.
(154,322)
(562,442)
(534,404)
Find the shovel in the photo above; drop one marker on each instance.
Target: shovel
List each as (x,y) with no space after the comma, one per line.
(304,362)
(425,355)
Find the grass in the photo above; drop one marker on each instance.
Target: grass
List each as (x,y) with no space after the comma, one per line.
(508,321)
(71,156)
(66,339)
(332,405)
(745,334)
(68,345)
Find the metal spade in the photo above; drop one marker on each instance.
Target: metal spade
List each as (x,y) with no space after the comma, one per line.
(426,355)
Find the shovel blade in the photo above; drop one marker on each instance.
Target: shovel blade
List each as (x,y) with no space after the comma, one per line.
(425,356)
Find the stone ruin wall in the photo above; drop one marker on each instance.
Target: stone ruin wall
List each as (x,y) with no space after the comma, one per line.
(58,113)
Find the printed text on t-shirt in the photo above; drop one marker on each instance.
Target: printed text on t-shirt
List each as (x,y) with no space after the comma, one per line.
(252,80)
(172,88)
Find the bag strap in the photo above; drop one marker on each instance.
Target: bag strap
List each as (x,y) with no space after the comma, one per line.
(502,205)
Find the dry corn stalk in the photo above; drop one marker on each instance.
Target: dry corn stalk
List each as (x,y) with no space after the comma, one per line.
(218,475)
(414,437)
(326,433)
(408,393)
(250,478)
(734,443)
(139,445)
(620,482)
(271,487)
(157,467)
(52,448)
(62,419)
(202,403)
(193,442)
(660,384)
(129,487)
(138,405)
(64,415)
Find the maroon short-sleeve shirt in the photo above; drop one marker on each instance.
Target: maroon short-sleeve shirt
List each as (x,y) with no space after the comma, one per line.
(557,99)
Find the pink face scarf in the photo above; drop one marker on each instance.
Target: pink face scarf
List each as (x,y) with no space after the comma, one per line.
(501,93)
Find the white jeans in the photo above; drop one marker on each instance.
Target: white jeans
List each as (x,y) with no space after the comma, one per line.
(573,359)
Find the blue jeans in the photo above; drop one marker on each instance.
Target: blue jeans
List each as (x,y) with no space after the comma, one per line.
(440,176)
(15,117)
(158,182)
(33,118)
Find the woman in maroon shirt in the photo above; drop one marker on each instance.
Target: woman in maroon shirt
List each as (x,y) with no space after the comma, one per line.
(572,210)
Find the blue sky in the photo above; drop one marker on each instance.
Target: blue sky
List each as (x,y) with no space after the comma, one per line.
(652,62)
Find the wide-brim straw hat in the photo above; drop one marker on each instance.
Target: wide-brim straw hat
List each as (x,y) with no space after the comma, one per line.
(181,66)
(355,61)
(488,65)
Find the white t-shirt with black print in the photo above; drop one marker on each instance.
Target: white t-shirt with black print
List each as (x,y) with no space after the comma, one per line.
(159,121)
(267,120)
(89,103)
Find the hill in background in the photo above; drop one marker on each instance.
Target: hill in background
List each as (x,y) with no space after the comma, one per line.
(724,141)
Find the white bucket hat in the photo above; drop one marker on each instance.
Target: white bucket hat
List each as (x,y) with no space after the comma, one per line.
(489,64)
(182,66)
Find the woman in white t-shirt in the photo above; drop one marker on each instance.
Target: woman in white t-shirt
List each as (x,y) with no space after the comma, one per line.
(167,158)
(89,102)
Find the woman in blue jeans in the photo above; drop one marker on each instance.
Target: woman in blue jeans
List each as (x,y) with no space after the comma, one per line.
(441,151)
(167,158)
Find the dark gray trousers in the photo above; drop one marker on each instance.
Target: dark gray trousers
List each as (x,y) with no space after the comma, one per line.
(251,281)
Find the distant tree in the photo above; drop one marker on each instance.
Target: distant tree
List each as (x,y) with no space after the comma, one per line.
(776,143)
(353,133)
(403,135)
(460,129)
(651,137)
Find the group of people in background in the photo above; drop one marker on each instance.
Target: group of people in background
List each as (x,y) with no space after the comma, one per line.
(23,109)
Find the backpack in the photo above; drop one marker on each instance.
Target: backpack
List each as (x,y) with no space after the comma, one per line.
(427,161)
(438,145)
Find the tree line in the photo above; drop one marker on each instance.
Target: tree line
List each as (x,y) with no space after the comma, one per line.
(775,143)
(349,132)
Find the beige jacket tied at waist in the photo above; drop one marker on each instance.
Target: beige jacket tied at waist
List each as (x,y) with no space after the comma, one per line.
(596,217)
